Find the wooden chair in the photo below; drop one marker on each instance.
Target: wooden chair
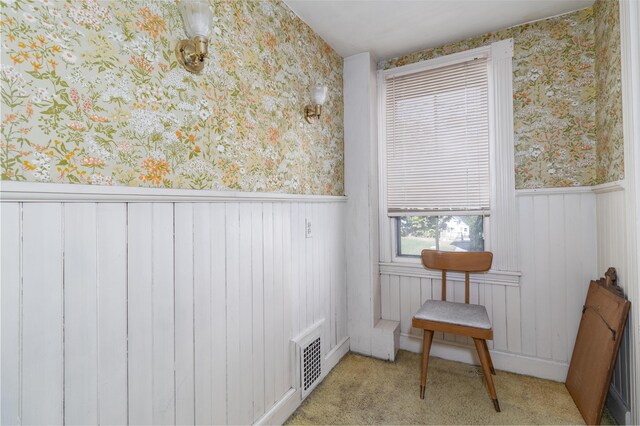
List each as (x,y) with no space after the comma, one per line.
(457,318)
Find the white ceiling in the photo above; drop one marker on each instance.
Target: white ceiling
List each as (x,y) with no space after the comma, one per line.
(389,28)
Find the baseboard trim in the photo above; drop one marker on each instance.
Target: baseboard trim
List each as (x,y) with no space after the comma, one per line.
(281,410)
(335,355)
(506,361)
(618,407)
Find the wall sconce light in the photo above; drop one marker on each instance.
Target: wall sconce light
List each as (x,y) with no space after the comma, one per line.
(197,18)
(318,96)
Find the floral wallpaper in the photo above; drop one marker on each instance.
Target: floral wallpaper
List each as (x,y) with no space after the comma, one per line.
(554,97)
(609,134)
(92,94)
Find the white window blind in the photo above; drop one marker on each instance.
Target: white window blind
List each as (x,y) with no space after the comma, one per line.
(437,135)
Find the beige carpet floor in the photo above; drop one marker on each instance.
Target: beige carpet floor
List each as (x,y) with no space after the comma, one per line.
(362,390)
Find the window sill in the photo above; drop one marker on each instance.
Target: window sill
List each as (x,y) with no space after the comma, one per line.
(493,277)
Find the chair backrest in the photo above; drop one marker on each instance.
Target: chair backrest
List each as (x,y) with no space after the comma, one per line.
(459,262)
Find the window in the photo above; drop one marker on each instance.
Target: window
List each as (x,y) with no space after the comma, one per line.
(446,233)
(431,182)
(437,156)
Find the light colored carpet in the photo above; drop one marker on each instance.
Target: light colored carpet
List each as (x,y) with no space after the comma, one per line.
(362,390)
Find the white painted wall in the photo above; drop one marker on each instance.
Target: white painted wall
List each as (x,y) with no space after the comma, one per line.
(630,47)
(612,248)
(164,313)
(535,322)
(361,177)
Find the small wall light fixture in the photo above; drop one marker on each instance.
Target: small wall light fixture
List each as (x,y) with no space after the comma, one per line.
(197,18)
(318,96)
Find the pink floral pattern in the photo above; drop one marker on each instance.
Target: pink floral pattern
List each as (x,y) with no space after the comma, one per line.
(92,93)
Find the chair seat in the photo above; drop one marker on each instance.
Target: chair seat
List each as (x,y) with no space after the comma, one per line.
(454,313)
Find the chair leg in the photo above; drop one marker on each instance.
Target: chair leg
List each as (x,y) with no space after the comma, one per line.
(486,348)
(485,360)
(427,337)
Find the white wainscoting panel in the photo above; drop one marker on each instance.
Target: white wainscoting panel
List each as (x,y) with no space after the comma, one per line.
(611,253)
(535,323)
(164,313)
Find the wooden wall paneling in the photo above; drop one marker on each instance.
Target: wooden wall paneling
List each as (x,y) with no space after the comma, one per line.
(112,312)
(541,243)
(294,260)
(514,326)
(203,315)
(473,299)
(558,240)
(342,326)
(309,278)
(258,337)
(217,304)
(385,296)
(299,236)
(232,257)
(618,242)
(80,314)
(287,304)
(245,313)
(278,302)
(11,310)
(573,306)
(528,280)
(140,313)
(42,314)
(163,314)
(436,291)
(415,303)
(405,305)
(588,239)
(624,384)
(451,288)
(473,293)
(451,296)
(333,260)
(499,318)
(184,314)
(603,232)
(317,259)
(153,295)
(269,302)
(325,276)
(425,290)
(487,302)
(610,212)
(458,296)
(394,298)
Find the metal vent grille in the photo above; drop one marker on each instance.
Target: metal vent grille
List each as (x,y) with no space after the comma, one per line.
(311,365)
(307,351)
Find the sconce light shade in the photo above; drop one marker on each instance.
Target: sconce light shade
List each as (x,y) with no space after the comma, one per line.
(318,97)
(197,18)
(319,94)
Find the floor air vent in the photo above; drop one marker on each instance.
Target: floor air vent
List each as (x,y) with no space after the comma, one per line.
(311,365)
(309,355)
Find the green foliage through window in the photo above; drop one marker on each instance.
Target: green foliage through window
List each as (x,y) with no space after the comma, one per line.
(447,233)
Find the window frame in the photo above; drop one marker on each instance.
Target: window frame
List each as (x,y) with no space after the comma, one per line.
(501,170)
